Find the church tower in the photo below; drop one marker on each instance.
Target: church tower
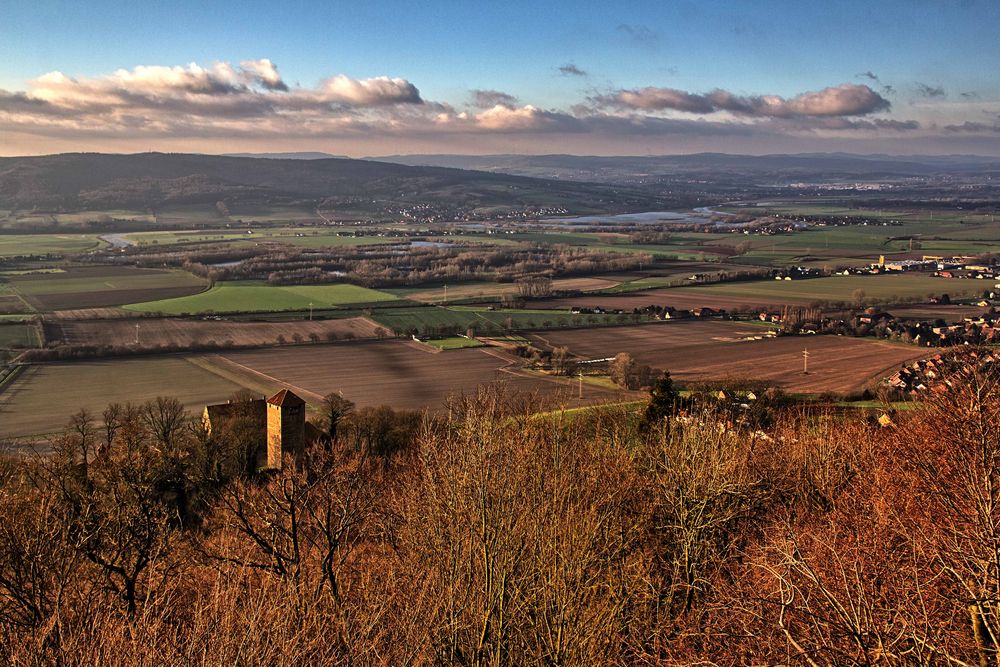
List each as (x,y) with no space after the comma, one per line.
(286,427)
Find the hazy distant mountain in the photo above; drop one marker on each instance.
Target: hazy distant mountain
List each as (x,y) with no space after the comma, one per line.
(95,181)
(716,166)
(303,155)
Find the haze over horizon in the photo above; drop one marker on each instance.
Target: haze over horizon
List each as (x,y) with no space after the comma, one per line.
(363,80)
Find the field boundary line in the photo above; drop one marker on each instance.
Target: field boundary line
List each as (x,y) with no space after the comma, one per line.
(7,389)
(423,347)
(225,361)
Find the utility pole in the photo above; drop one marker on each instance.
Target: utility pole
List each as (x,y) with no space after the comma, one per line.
(137,334)
(805,361)
(310,311)
(446,294)
(581,384)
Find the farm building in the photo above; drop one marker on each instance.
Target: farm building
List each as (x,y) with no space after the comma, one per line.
(277,423)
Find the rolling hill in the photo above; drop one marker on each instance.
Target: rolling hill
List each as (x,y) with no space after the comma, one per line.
(710,166)
(91,181)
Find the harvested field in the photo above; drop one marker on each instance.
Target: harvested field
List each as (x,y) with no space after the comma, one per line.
(41,400)
(102,286)
(717,350)
(181,334)
(929,311)
(397,373)
(91,314)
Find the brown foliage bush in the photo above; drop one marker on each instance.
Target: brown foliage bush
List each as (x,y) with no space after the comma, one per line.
(496,535)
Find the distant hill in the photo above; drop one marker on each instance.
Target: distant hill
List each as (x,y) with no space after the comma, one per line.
(147,180)
(303,155)
(715,166)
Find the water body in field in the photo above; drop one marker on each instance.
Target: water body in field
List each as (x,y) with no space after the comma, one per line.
(633,218)
(698,216)
(116,240)
(430,244)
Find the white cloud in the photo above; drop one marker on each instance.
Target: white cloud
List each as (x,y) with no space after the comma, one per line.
(847,99)
(369,92)
(251,99)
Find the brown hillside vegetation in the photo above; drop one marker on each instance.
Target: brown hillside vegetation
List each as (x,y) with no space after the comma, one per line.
(494,536)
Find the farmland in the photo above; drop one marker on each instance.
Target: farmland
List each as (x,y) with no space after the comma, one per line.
(478,290)
(252,296)
(18,335)
(184,333)
(397,373)
(102,286)
(452,343)
(41,399)
(142,296)
(12,245)
(432,319)
(775,293)
(719,350)
(305,237)
(836,288)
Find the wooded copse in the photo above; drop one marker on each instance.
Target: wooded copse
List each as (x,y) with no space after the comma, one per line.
(495,535)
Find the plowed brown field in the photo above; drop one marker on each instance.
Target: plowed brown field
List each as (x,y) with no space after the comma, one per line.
(697,350)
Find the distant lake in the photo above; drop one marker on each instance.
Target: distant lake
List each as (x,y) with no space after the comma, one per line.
(429,244)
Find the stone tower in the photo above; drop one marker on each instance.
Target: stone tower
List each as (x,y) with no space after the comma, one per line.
(286,427)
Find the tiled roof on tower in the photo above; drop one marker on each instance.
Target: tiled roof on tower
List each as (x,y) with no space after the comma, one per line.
(285,398)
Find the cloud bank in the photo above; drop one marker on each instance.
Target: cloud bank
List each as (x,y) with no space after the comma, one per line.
(844,100)
(252,102)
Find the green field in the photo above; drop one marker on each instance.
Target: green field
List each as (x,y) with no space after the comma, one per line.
(45,244)
(255,296)
(934,232)
(453,343)
(305,237)
(95,281)
(31,272)
(18,335)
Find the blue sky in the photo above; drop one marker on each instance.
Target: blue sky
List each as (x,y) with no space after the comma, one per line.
(933,63)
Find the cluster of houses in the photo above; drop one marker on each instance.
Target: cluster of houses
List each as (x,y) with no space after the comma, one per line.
(666,312)
(943,267)
(983,329)
(799,273)
(940,372)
